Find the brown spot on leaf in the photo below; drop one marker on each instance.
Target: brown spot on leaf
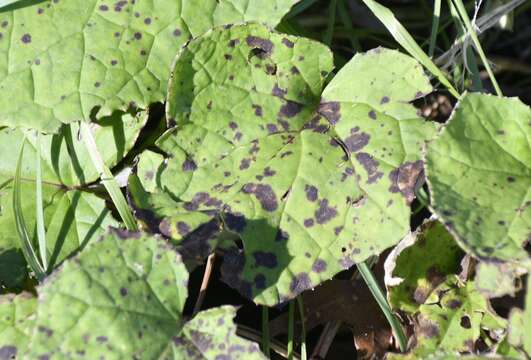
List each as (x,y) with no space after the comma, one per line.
(406,179)
(266,46)
(330,111)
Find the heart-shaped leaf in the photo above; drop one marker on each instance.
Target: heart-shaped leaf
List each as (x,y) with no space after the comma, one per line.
(479,172)
(122,297)
(65,59)
(311,181)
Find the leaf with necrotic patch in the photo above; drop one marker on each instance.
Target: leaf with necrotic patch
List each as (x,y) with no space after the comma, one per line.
(311,181)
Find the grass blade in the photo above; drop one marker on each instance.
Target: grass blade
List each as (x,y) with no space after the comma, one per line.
(345,19)
(434,26)
(41,232)
(291,323)
(472,32)
(107,178)
(402,36)
(265,331)
(22,230)
(329,33)
(371,282)
(304,356)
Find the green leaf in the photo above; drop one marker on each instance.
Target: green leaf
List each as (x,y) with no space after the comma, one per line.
(452,318)
(72,217)
(479,172)
(122,297)
(67,59)
(300,175)
(211,334)
(497,279)
(17,317)
(520,325)
(412,272)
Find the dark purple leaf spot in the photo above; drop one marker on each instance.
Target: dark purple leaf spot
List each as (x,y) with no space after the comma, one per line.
(183,228)
(228,57)
(264,45)
(257,110)
(265,259)
(371,166)
(233,42)
(278,92)
(260,281)
(288,42)
(8,352)
(26,38)
(104,8)
(372,114)
(138,36)
(147,21)
(319,266)
(300,283)
(189,165)
(123,291)
(235,222)
(324,213)
(311,192)
(465,322)
(245,163)
(308,223)
(177,32)
(357,141)
(384,100)
(290,109)
(264,194)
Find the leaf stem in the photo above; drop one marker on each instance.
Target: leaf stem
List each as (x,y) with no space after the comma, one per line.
(470,29)
(265,331)
(204,284)
(107,178)
(41,232)
(304,356)
(371,282)
(291,323)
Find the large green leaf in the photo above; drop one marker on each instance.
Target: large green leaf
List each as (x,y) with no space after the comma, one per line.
(479,172)
(17,316)
(72,217)
(65,59)
(122,297)
(311,182)
(412,269)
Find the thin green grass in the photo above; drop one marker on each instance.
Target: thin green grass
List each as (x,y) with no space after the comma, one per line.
(107,178)
(41,232)
(378,295)
(472,32)
(331,23)
(22,230)
(434,27)
(402,36)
